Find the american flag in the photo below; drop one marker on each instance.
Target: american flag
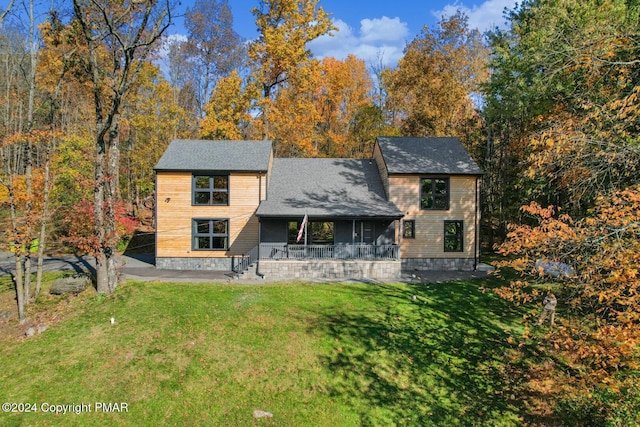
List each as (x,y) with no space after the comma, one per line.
(304,222)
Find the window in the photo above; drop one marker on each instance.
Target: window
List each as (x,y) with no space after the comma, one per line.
(434,193)
(321,233)
(293,229)
(453,231)
(409,229)
(210,234)
(210,189)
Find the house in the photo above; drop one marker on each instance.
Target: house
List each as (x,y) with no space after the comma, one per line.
(225,205)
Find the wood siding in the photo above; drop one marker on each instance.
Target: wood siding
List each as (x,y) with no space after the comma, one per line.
(174,214)
(429,224)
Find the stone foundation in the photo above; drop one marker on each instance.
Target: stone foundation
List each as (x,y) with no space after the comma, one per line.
(324,269)
(410,265)
(212,264)
(329,269)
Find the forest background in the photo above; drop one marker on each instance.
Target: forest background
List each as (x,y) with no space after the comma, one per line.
(547,106)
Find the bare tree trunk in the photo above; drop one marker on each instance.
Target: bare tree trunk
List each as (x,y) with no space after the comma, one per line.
(111,187)
(18,280)
(44,219)
(132,41)
(6,11)
(30,223)
(102,285)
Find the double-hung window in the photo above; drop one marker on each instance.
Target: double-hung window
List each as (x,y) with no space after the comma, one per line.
(211,234)
(434,193)
(453,236)
(211,189)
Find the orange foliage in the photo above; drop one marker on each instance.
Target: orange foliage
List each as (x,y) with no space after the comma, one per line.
(599,342)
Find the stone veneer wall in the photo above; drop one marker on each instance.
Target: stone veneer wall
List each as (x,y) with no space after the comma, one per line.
(329,269)
(447,264)
(213,264)
(324,269)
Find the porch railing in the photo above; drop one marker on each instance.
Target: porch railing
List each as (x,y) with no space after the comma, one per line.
(241,263)
(342,252)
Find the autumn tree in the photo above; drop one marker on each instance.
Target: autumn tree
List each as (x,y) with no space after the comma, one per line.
(119,38)
(561,106)
(25,144)
(436,79)
(213,49)
(343,91)
(152,118)
(280,52)
(294,114)
(228,114)
(592,354)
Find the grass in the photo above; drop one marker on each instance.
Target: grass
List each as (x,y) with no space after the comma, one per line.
(311,354)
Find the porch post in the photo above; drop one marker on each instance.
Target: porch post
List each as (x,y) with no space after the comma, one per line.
(306,229)
(353,233)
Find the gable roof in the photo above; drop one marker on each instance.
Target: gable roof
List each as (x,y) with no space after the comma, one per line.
(206,155)
(434,155)
(326,188)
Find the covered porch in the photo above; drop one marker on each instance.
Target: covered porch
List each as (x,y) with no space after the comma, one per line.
(332,238)
(327,217)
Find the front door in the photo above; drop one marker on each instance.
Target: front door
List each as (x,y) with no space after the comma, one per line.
(365,232)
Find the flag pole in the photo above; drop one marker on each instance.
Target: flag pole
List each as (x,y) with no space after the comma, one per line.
(306,228)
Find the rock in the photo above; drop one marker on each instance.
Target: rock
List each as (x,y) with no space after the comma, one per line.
(259,413)
(70,285)
(30,332)
(554,268)
(5,314)
(485,267)
(42,328)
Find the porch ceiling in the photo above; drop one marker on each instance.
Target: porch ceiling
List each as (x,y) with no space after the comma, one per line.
(326,188)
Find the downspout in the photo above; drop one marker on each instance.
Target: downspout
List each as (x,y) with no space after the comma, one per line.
(477,228)
(259,227)
(258,256)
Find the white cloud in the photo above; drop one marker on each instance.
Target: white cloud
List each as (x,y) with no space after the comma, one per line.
(486,16)
(384,30)
(378,40)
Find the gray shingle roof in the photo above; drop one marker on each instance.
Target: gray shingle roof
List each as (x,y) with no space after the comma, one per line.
(326,188)
(205,155)
(435,155)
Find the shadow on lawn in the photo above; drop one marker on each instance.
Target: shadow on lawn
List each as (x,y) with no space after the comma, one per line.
(437,359)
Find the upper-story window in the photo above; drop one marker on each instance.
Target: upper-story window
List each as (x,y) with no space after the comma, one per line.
(434,193)
(211,189)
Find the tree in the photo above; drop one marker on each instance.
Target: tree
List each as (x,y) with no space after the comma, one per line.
(4,12)
(119,37)
(560,105)
(151,118)
(213,48)
(228,112)
(280,52)
(22,137)
(344,89)
(597,341)
(435,80)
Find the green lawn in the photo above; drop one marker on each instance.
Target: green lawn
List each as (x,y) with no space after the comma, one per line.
(311,354)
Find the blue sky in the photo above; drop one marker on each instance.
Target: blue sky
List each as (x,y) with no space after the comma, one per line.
(378,30)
